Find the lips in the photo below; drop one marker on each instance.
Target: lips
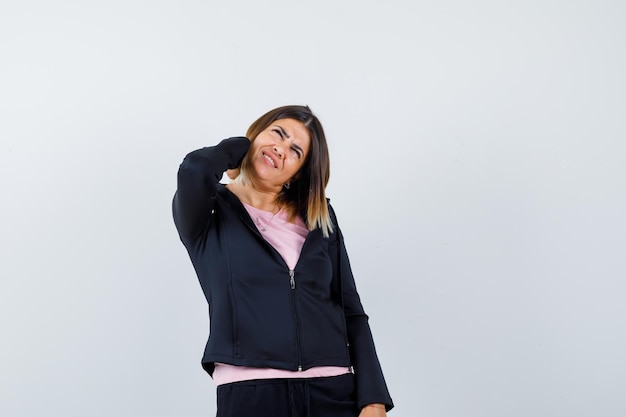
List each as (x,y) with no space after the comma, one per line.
(270,160)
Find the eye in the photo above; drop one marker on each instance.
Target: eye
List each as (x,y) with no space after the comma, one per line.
(297,152)
(278,132)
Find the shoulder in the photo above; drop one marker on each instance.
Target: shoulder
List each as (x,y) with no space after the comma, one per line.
(331,212)
(335,234)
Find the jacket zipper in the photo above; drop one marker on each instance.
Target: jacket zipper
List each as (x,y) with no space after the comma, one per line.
(292,284)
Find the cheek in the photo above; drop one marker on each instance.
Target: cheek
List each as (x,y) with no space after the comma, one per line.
(295,167)
(255,145)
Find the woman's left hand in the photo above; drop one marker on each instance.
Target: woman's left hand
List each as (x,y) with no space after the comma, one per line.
(232,173)
(373,410)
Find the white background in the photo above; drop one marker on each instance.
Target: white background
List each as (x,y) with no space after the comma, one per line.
(477,152)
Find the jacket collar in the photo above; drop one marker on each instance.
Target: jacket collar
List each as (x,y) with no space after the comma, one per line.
(235,204)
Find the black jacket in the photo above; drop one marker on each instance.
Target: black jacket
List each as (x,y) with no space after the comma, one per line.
(261,313)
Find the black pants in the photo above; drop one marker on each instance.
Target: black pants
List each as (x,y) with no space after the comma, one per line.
(308,397)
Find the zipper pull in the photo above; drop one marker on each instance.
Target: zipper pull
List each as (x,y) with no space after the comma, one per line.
(292,280)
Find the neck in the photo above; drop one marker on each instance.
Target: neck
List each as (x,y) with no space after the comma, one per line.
(261,199)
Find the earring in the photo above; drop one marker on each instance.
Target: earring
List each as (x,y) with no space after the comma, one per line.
(287,185)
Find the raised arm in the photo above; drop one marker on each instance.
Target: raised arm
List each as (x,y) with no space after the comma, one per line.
(198,176)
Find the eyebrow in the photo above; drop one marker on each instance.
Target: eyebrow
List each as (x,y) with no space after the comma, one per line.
(283,131)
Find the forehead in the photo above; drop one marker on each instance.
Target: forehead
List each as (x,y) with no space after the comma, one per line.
(295,129)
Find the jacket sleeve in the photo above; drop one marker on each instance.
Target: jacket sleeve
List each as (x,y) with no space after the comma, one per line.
(198,176)
(371,385)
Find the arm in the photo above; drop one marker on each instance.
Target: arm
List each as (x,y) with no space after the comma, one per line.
(371,386)
(198,176)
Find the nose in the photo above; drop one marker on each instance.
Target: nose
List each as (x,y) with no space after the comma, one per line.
(278,150)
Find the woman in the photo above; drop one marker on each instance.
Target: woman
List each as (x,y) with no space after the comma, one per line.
(288,334)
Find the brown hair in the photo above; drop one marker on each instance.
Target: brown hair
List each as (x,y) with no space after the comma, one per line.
(306,194)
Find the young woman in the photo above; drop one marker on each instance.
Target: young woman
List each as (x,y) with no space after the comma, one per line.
(288,334)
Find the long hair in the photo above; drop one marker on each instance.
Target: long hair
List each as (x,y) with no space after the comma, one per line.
(306,194)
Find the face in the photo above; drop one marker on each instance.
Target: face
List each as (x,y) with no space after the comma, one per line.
(279,151)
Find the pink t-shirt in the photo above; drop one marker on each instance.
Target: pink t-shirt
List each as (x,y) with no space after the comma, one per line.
(287,238)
